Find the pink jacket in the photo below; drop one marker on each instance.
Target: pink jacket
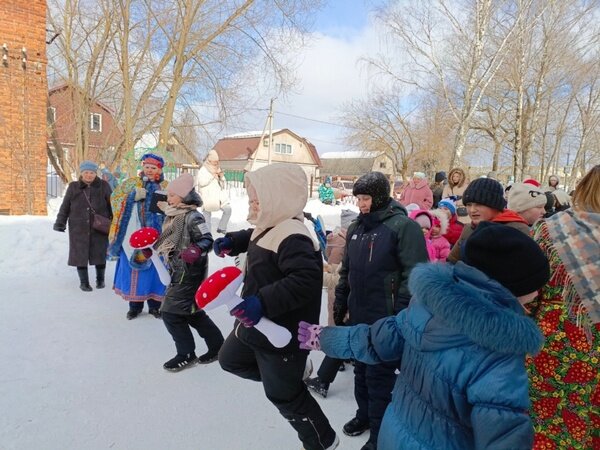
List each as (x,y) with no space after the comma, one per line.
(418,193)
(441,248)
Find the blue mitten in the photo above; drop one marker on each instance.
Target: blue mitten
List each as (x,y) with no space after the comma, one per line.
(249,312)
(223,246)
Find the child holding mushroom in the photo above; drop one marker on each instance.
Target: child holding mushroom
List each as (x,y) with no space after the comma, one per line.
(283,282)
(184,243)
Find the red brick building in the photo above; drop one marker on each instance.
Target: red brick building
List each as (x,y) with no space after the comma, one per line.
(23,94)
(103,133)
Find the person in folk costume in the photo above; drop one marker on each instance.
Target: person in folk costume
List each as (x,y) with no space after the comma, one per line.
(283,282)
(184,243)
(86,245)
(136,279)
(211,186)
(565,377)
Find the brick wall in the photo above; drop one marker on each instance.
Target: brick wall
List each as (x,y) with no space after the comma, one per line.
(23,96)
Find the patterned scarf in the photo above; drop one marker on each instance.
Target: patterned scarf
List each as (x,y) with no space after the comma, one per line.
(576,237)
(172,230)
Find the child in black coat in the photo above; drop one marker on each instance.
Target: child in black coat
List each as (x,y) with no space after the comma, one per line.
(183,244)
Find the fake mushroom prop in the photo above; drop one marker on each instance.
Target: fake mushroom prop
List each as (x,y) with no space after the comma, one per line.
(145,238)
(220,289)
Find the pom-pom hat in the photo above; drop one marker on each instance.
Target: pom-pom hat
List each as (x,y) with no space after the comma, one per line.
(508,256)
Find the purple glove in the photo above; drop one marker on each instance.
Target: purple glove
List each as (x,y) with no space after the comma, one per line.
(308,336)
(147,252)
(249,312)
(222,246)
(190,254)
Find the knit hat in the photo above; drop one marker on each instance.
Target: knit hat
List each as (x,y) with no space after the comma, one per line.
(88,165)
(423,220)
(440,176)
(346,218)
(154,159)
(533,182)
(377,186)
(485,191)
(522,197)
(449,204)
(419,175)
(508,256)
(182,185)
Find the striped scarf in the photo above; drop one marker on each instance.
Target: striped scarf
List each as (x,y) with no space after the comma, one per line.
(172,230)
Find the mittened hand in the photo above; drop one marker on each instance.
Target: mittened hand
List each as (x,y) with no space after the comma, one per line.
(147,252)
(249,311)
(223,246)
(308,336)
(190,254)
(140,194)
(59,227)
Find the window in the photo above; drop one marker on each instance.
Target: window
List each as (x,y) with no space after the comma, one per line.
(382,164)
(284,149)
(51,115)
(265,142)
(95,122)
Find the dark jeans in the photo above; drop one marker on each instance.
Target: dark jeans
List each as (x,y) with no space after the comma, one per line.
(179,325)
(373,385)
(329,369)
(281,376)
(139,306)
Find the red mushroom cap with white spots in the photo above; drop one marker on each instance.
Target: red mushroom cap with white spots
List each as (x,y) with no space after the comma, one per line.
(210,288)
(144,237)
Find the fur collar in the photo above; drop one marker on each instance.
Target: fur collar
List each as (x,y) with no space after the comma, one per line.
(475,305)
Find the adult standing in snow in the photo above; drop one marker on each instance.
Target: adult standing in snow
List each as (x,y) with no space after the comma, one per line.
(454,190)
(417,191)
(564,377)
(211,185)
(283,282)
(382,247)
(136,279)
(86,245)
(437,187)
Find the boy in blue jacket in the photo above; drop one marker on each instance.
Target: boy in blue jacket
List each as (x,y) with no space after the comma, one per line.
(463,340)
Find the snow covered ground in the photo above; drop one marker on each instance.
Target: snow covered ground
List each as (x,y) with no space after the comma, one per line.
(75,374)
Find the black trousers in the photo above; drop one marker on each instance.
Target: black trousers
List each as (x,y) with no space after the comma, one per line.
(373,385)
(179,325)
(281,376)
(329,368)
(139,306)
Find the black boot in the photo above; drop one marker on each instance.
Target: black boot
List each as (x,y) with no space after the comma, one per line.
(100,269)
(84,279)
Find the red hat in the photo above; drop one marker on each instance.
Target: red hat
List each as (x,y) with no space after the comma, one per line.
(536,183)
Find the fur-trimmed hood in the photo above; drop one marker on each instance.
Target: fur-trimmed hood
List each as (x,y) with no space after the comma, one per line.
(455,305)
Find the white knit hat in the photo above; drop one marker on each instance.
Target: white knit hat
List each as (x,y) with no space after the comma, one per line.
(523,196)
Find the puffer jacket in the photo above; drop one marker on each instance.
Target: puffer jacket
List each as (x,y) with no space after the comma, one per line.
(462,382)
(382,248)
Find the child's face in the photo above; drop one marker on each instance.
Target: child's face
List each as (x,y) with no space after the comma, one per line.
(435,230)
(173,199)
(447,212)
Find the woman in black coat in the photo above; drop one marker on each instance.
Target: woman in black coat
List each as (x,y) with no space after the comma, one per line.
(86,245)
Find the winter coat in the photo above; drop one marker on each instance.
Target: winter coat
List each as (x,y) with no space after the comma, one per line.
(564,377)
(456,189)
(284,265)
(326,194)
(86,245)
(437,189)
(212,190)
(185,278)
(455,229)
(418,193)
(441,248)
(506,217)
(382,248)
(462,383)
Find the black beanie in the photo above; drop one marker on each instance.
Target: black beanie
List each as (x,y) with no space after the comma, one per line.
(440,176)
(377,186)
(508,256)
(485,191)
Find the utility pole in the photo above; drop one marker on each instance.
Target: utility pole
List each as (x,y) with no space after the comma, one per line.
(270,130)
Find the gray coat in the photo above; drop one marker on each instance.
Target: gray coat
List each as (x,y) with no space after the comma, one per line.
(86,245)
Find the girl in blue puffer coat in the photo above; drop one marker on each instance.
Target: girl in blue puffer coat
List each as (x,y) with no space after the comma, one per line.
(463,340)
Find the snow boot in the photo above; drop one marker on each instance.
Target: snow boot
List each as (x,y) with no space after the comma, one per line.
(100,276)
(84,280)
(132,314)
(155,312)
(180,362)
(333,446)
(317,386)
(208,357)
(355,427)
